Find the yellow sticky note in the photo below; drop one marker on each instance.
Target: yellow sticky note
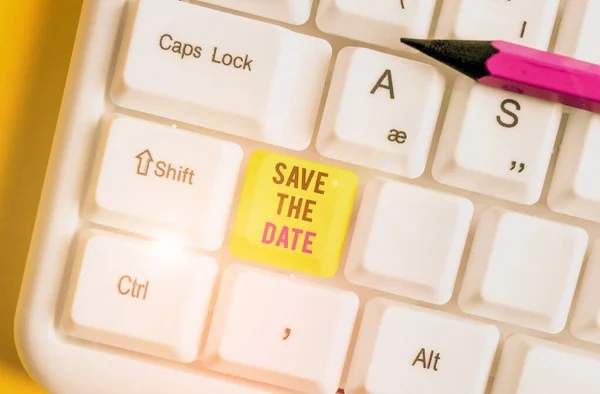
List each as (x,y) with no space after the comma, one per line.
(293,213)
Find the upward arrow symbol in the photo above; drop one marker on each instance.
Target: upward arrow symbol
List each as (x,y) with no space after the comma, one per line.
(144,160)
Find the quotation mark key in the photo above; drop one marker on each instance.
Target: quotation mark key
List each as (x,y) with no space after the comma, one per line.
(513,165)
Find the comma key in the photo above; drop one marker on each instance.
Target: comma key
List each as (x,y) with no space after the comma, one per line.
(286,332)
(258,81)
(293,213)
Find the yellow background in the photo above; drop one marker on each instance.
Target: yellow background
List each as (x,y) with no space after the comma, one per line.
(37,39)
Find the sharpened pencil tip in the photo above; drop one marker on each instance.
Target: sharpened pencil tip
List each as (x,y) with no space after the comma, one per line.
(416,43)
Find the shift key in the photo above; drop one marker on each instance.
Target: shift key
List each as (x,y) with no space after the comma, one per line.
(221,71)
(164,182)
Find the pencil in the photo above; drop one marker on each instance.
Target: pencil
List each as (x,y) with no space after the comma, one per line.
(519,69)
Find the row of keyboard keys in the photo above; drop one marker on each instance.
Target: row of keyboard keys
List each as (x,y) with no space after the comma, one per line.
(381,23)
(381,110)
(521,269)
(153,298)
(294,214)
(294,334)
(458,353)
(174,184)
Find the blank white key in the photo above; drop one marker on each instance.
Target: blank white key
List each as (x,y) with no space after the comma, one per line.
(149,297)
(258,81)
(535,366)
(380,22)
(408,240)
(295,12)
(575,186)
(585,323)
(579,31)
(496,143)
(409,349)
(527,22)
(279,330)
(523,270)
(381,111)
(164,182)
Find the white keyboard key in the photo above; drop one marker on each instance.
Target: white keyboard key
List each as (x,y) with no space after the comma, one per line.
(535,366)
(381,111)
(164,182)
(575,188)
(579,31)
(409,349)
(295,12)
(279,330)
(380,22)
(585,323)
(258,81)
(523,270)
(408,240)
(528,23)
(496,143)
(123,292)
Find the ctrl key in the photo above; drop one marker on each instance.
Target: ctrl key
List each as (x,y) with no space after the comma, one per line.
(410,349)
(149,297)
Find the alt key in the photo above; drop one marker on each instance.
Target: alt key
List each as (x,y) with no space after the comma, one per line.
(418,350)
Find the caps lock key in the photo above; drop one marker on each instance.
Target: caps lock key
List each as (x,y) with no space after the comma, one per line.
(257,81)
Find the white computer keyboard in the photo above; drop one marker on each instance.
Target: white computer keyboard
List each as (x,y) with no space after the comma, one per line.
(260,196)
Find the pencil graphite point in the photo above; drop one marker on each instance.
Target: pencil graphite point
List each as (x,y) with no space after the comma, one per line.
(416,43)
(465,56)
